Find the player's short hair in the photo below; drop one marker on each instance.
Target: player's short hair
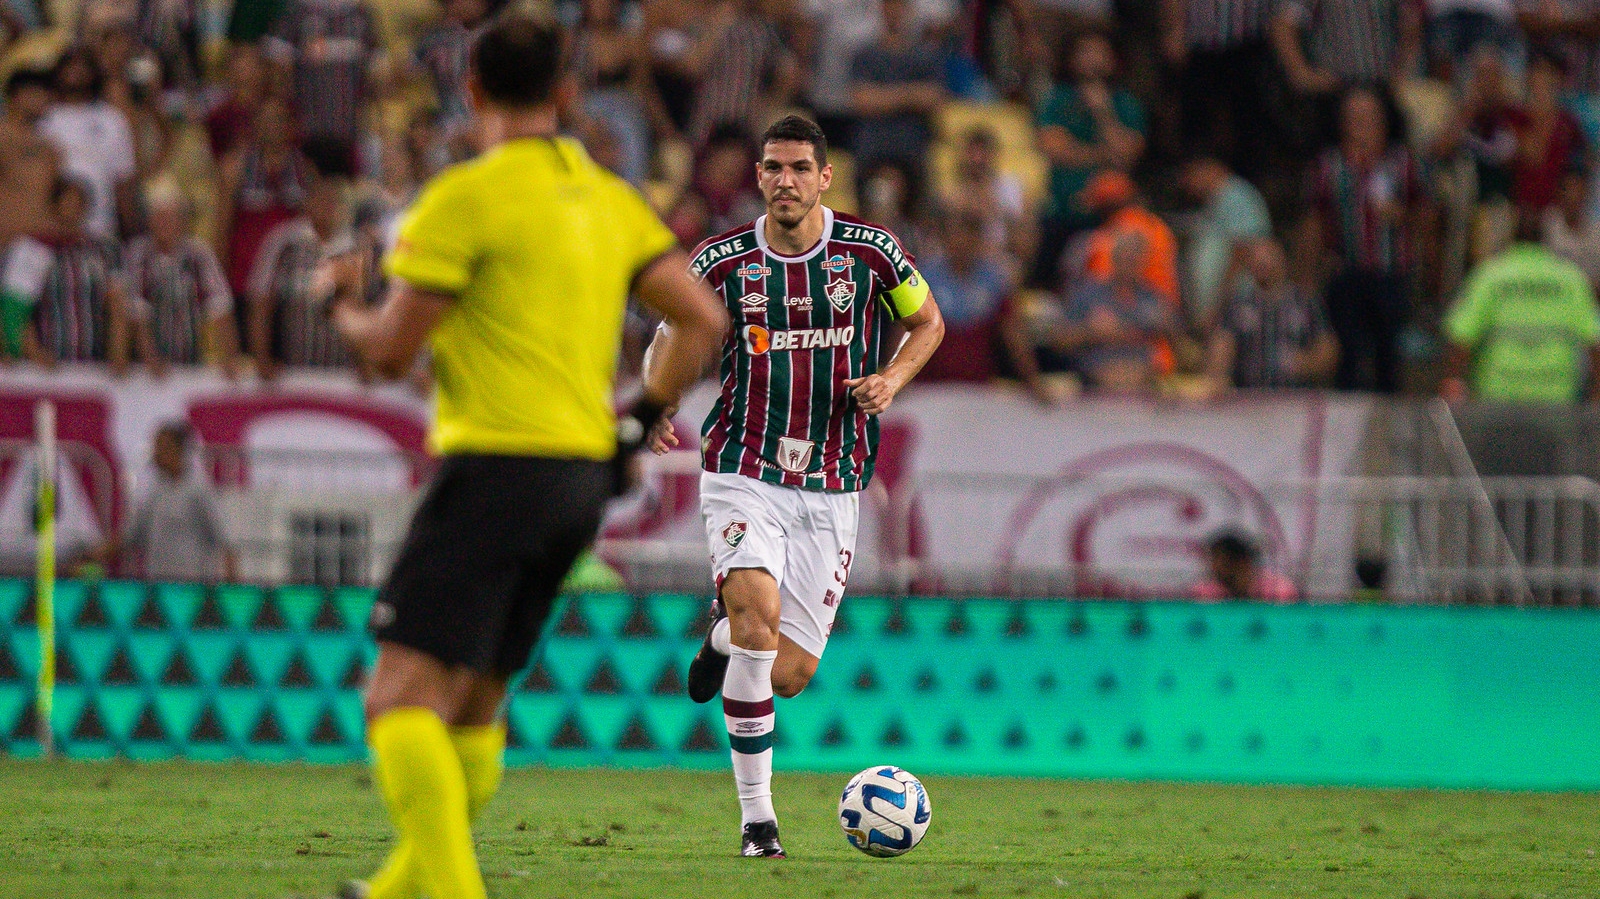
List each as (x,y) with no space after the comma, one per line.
(517,59)
(799,129)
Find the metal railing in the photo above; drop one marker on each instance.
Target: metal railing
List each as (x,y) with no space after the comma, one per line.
(1413,539)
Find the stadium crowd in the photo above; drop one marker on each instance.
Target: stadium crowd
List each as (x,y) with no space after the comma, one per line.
(1188,197)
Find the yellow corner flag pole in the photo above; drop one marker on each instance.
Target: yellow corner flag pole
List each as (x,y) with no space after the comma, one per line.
(44,432)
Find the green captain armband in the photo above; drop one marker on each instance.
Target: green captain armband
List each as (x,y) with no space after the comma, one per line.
(907,297)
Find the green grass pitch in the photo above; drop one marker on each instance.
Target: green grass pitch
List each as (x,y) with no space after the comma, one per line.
(209,831)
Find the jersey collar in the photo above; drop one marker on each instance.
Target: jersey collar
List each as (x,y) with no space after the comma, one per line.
(827,235)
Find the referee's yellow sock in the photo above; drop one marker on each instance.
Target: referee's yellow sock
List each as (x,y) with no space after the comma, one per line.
(425,786)
(481,749)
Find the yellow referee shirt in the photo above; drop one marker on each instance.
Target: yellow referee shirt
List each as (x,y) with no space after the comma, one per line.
(539,245)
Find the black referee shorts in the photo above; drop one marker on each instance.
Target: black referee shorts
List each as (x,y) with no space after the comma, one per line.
(487,550)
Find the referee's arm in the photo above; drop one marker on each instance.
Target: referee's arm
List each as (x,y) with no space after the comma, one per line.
(389,337)
(697,319)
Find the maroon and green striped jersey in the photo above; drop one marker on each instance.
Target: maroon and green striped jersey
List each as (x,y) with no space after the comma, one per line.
(802,325)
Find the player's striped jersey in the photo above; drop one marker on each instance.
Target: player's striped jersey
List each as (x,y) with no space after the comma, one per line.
(802,325)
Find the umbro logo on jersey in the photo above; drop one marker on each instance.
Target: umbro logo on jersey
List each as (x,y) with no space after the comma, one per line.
(753,272)
(753,300)
(759,341)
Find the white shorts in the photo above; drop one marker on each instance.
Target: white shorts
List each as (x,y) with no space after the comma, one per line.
(805,539)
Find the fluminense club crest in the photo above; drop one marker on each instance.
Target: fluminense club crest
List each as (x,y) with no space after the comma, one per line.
(841,294)
(733,534)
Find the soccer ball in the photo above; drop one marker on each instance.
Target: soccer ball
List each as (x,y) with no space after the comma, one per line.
(884,811)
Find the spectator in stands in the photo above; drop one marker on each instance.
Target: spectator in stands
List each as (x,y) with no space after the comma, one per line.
(179,301)
(975,287)
(1217,53)
(1485,128)
(722,180)
(95,142)
(329,55)
(1114,327)
(837,31)
(1325,46)
(1086,124)
(1568,30)
(670,28)
(232,117)
(133,85)
(261,185)
(305,264)
(1458,29)
(1549,139)
(1115,200)
(980,186)
(1053,24)
(1570,228)
(71,282)
(741,68)
(886,201)
(1367,212)
(896,87)
(1234,560)
(1524,322)
(1232,213)
(1270,333)
(171,31)
(441,57)
(29,162)
(175,531)
(610,62)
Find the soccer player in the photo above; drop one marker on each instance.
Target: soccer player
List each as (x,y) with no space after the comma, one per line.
(791,441)
(516,267)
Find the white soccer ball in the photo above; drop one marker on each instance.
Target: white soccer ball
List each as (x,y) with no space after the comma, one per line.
(884,811)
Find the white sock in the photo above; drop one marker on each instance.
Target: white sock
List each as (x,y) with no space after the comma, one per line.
(747,709)
(720,641)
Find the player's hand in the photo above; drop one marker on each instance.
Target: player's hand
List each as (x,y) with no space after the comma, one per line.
(663,437)
(873,393)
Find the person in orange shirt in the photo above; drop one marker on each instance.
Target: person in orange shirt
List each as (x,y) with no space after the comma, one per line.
(1114,198)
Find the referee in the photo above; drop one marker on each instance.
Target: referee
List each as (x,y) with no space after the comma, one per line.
(515,267)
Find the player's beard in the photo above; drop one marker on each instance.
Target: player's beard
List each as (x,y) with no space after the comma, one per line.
(792,217)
